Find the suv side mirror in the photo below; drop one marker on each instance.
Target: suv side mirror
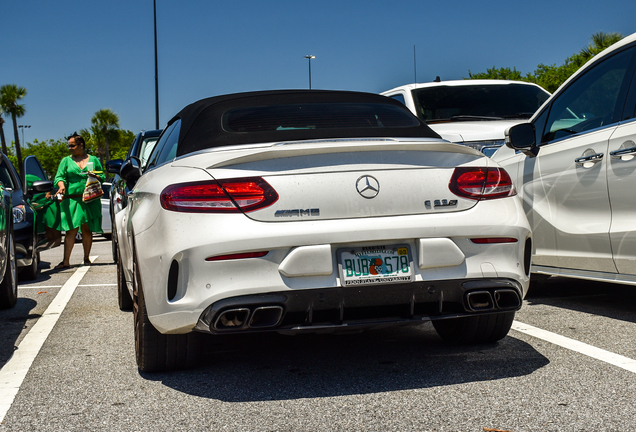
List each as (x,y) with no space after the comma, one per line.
(131,171)
(41,186)
(521,137)
(113,166)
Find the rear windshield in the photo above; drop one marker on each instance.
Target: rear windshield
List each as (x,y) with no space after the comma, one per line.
(311,116)
(478,102)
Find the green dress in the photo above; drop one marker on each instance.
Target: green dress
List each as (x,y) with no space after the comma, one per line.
(72,212)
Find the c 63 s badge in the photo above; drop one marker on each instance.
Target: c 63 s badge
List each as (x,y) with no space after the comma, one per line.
(440,203)
(297,213)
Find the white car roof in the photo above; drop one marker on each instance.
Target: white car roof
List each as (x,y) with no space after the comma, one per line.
(458,83)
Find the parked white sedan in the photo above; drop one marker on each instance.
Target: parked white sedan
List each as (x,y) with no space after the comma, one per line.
(307,211)
(574,164)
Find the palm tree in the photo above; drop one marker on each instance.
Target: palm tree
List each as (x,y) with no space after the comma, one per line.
(10,94)
(600,41)
(105,122)
(2,138)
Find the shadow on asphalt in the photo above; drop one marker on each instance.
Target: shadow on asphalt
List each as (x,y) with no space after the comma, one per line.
(276,367)
(12,322)
(605,299)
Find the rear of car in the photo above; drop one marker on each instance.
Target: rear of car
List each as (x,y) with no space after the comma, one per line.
(475,113)
(318,211)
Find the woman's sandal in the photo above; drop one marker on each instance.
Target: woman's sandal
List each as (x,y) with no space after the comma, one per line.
(61,266)
(87,262)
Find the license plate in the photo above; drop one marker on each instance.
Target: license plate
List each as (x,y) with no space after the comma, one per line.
(375,265)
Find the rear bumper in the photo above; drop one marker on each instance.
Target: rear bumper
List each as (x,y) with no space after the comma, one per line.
(341,309)
(180,285)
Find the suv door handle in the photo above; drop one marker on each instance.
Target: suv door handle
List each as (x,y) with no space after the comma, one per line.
(592,158)
(618,154)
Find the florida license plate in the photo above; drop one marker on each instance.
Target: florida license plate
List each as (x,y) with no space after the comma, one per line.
(375,265)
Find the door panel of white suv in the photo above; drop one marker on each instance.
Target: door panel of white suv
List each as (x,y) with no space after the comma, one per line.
(622,191)
(580,201)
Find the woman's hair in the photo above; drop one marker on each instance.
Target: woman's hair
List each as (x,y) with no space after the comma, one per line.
(78,139)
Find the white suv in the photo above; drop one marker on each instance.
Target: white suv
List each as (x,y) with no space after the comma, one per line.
(574,165)
(472,112)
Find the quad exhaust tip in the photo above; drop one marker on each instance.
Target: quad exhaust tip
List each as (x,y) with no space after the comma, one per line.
(501,299)
(240,318)
(480,301)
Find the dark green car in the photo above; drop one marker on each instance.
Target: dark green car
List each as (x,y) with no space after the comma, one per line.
(29,202)
(8,267)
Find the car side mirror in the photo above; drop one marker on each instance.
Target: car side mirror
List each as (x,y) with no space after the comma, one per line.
(114,166)
(131,171)
(41,186)
(521,137)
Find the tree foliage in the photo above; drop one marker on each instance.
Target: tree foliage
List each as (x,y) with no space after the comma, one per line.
(2,138)
(550,77)
(104,129)
(49,153)
(10,95)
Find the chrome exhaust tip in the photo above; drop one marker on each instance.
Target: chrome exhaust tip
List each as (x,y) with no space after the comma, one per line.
(507,299)
(266,316)
(232,319)
(479,301)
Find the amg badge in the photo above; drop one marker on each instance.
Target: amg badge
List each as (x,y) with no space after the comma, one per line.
(297,213)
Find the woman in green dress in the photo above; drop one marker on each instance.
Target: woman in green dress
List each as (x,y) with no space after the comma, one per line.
(71,213)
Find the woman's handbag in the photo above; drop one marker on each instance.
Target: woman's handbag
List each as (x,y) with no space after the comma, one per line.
(92,190)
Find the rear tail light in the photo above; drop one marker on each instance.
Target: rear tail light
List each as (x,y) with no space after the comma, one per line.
(222,196)
(481,183)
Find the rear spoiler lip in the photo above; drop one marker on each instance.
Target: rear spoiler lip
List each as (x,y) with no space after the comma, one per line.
(281,150)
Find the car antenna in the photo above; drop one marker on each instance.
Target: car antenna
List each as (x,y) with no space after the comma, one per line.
(414,66)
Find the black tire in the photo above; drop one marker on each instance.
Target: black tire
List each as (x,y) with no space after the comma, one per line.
(9,284)
(123,295)
(31,272)
(475,329)
(156,352)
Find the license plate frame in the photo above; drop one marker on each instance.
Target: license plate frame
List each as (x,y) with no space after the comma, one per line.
(354,271)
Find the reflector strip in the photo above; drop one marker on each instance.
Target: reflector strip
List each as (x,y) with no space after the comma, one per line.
(237,256)
(491,240)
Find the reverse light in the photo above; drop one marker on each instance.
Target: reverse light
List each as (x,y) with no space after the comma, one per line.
(222,196)
(237,256)
(481,183)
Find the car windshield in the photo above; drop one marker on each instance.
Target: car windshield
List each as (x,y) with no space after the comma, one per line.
(316,116)
(478,102)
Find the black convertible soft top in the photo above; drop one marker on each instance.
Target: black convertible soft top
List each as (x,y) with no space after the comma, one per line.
(292,115)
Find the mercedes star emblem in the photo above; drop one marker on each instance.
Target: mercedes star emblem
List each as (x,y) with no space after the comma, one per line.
(368,187)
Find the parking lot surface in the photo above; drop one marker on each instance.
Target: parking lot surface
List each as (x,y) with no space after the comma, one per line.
(567,365)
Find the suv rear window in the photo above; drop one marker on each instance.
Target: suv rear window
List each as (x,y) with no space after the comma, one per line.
(478,102)
(316,116)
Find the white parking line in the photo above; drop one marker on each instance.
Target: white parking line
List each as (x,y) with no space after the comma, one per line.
(14,371)
(574,345)
(60,286)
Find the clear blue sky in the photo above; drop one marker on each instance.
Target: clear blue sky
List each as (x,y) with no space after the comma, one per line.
(75,57)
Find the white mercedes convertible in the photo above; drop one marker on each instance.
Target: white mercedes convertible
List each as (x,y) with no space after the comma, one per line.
(309,211)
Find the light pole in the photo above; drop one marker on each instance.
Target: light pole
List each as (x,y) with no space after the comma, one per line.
(23,127)
(154,6)
(309,57)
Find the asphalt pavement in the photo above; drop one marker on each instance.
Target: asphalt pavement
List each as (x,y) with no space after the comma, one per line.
(84,376)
